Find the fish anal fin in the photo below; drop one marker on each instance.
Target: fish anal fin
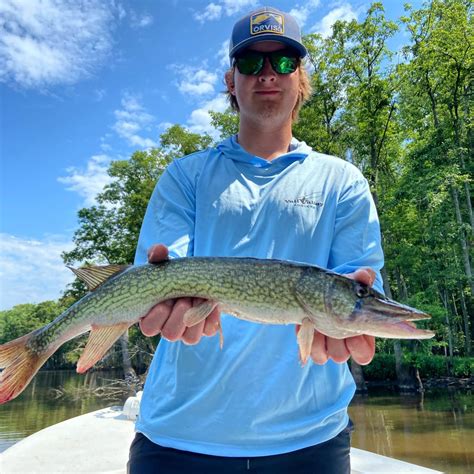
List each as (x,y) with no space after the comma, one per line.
(305,339)
(100,340)
(198,313)
(96,275)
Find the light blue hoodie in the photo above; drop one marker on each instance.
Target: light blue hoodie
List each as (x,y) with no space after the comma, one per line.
(252,398)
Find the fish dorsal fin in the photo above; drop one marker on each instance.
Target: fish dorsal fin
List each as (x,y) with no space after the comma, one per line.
(95,275)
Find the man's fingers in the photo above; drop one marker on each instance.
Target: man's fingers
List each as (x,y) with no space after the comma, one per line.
(362,348)
(174,326)
(363,275)
(319,352)
(157,253)
(193,334)
(337,350)
(212,322)
(152,323)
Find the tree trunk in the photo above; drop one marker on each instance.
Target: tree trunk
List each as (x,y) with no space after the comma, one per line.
(408,377)
(467,325)
(462,237)
(358,375)
(444,297)
(470,149)
(468,194)
(128,370)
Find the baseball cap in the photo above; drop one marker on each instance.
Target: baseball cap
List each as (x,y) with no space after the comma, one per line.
(266,24)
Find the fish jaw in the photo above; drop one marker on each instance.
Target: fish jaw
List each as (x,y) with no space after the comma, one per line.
(379,316)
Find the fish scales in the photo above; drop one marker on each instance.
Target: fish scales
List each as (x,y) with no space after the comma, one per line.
(264,291)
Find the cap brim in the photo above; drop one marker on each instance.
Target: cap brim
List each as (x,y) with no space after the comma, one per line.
(268,37)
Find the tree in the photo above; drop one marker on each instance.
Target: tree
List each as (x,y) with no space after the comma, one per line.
(320,124)
(436,100)
(108,232)
(227,123)
(24,318)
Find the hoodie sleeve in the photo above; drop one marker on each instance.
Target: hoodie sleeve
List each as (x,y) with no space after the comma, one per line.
(357,241)
(170,215)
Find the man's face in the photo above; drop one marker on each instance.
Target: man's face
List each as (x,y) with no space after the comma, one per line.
(267,96)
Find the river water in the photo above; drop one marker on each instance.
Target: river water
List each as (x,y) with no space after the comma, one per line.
(434,430)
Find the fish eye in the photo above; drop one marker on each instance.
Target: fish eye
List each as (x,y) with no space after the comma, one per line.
(362,290)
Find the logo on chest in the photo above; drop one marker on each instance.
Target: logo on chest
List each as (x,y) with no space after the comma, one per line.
(310,201)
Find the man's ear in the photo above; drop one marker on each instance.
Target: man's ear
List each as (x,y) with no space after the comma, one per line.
(229,80)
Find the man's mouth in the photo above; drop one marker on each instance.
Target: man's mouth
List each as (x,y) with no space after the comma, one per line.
(267,92)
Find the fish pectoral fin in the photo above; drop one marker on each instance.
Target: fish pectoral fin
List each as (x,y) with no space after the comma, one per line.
(100,341)
(198,313)
(305,339)
(96,275)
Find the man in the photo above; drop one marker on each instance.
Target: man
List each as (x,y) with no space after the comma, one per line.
(261,193)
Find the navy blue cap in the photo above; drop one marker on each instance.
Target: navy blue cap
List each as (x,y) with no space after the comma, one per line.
(266,24)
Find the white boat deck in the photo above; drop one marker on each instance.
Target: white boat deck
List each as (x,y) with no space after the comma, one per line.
(98,442)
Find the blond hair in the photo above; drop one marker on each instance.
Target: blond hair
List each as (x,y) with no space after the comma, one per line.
(304,92)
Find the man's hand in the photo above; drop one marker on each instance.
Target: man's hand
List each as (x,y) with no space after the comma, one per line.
(167,317)
(360,348)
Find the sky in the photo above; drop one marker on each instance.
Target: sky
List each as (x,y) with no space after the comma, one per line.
(85,82)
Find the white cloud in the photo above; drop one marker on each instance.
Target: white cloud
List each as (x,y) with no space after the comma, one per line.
(140,21)
(301,13)
(200,120)
(53,41)
(211,12)
(234,6)
(131,120)
(121,12)
(99,94)
(163,126)
(198,82)
(90,181)
(223,54)
(32,270)
(343,13)
(214,11)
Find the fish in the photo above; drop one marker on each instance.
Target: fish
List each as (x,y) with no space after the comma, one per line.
(257,290)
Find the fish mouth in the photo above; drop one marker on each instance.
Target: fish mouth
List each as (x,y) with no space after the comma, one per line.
(388,318)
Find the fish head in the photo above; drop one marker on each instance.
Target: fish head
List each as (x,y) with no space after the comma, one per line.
(375,314)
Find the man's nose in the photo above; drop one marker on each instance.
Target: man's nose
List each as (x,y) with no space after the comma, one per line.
(267,73)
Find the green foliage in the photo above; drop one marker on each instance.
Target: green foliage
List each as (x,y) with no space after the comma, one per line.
(24,318)
(227,123)
(382,368)
(463,367)
(178,141)
(320,124)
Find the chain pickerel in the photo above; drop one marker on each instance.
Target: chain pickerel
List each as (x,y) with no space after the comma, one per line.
(263,291)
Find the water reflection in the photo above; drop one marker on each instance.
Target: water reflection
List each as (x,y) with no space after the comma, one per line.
(435,429)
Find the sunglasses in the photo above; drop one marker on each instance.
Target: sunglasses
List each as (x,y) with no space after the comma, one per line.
(251,63)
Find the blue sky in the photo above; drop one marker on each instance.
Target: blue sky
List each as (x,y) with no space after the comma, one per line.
(86,82)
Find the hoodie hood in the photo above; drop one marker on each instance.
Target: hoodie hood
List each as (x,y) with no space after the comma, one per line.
(231,149)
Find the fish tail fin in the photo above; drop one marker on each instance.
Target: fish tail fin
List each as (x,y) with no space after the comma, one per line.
(18,364)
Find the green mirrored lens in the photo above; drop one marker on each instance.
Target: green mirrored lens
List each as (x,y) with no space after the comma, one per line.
(284,64)
(250,64)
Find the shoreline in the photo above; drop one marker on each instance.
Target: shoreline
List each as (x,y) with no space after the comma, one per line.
(458,383)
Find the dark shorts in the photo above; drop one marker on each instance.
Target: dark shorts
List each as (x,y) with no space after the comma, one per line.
(331,457)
